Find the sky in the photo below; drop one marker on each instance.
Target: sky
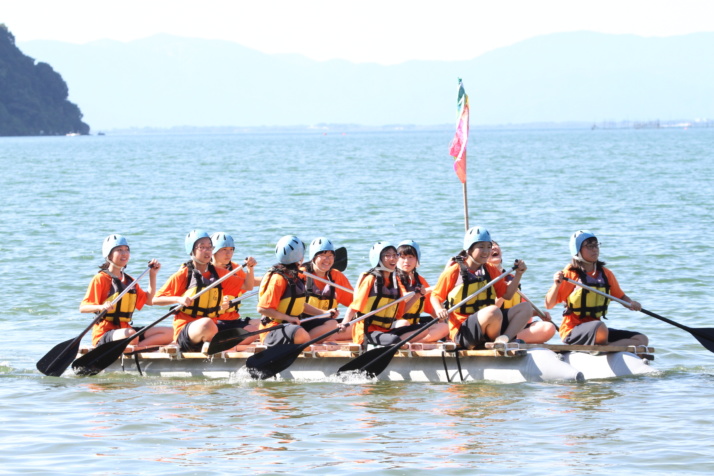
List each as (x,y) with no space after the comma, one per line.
(361,31)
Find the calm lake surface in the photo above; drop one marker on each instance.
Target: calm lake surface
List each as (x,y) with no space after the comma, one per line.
(647,194)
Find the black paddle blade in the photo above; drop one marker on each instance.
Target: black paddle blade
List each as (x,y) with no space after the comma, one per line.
(373,362)
(340,259)
(226,339)
(100,357)
(705,336)
(59,358)
(273,360)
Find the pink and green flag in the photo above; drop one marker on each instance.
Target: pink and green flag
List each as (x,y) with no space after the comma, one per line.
(457,149)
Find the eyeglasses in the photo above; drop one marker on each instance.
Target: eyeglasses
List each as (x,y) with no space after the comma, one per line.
(390,255)
(592,246)
(204,248)
(480,248)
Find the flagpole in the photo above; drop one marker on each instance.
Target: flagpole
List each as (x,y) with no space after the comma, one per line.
(457,148)
(466,207)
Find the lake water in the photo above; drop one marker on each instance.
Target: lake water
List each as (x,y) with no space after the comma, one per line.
(647,194)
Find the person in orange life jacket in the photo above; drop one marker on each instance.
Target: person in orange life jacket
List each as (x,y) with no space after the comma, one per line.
(479,320)
(196,322)
(283,299)
(223,249)
(410,280)
(584,309)
(110,282)
(536,332)
(375,288)
(322,295)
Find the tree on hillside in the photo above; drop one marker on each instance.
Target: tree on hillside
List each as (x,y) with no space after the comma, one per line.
(33,97)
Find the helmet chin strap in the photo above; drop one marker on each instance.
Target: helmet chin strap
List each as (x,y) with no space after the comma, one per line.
(583,260)
(381,267)
(121,270)
(199,261)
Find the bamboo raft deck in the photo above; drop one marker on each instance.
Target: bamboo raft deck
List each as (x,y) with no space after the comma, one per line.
(438,362)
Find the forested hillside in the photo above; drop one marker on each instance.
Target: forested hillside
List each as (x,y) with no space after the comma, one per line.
(33,97)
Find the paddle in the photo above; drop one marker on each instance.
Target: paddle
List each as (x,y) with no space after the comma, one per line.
(104,355)
(56,361)
(540,313)
(374,361)
(705,335)
(327,281)
(274,360)
(337,286)
(228,338)
(340,259)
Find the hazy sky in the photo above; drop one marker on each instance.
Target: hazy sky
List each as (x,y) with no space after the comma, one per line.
(381,31)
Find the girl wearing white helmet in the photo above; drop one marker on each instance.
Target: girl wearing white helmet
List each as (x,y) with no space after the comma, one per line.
(410,280)
(320,294)
(479,320)
(223,249)
(375,288)
(109,283)
(196,322)
(535,332)
(283,299)
(583,309)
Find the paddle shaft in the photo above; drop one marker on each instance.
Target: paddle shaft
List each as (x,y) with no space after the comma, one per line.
(627,305)
(386,353)
(230,337)
(178,307)
(274,360)
(331,283)
(98,318)
(361,318)
(337,286)
(102,356)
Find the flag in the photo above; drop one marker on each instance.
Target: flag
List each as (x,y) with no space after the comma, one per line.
(457,149)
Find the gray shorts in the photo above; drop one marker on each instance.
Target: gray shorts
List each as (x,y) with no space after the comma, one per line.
(282,336)
(584,334)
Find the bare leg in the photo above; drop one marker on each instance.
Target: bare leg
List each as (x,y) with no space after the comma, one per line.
(326,327)
(518,317)
(537,333)
(639,339)
(301,336)
(435,333)
(490,319)
(202,330)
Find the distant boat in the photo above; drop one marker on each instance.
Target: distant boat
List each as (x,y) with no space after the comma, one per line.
(72,134)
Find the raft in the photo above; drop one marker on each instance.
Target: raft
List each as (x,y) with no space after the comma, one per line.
(439,362)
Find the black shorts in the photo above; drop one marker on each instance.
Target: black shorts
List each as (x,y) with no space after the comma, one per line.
(184,341)
(282,336)
(392,336)
(471,335)
(232,324)
(504,320)
(312,324)
(109,336)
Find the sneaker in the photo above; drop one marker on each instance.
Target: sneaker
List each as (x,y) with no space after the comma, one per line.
(518,341)
(501,339)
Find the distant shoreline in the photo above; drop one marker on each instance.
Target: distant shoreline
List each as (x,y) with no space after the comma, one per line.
(356,128)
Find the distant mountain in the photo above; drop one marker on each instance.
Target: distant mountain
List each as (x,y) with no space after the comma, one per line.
(33,97)
(166,81)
